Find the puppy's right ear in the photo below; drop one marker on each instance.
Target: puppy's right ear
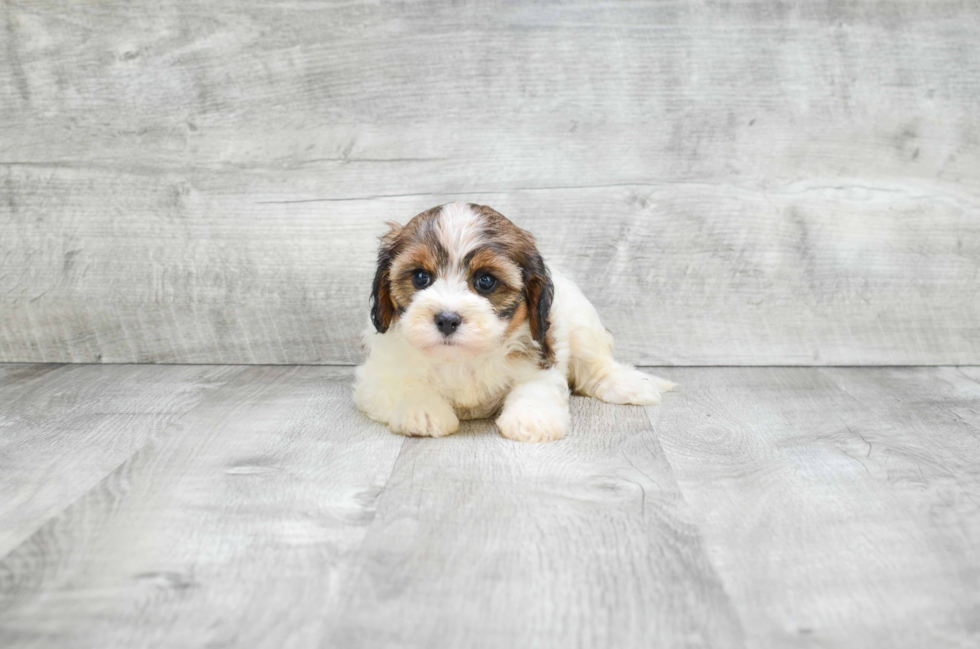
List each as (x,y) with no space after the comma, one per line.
(383,310)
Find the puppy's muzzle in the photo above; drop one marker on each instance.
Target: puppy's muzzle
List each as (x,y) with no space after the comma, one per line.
(447,323)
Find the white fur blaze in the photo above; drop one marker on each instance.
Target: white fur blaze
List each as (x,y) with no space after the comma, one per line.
(460,230)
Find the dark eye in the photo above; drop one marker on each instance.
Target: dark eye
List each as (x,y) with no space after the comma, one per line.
(421,279)
(485,282)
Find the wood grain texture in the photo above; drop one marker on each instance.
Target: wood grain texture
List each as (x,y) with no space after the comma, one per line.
(843,518)
(63,429)
(732,182)
(227,529)
(483,542)
(758,507)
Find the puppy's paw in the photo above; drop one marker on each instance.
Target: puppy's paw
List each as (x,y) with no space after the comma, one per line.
(526,421)
(431,417)
(633,387)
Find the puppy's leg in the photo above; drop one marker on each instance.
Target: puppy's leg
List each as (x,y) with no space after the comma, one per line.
(596,373)
(408,406)
(537,409)
(423,412)
(614,382)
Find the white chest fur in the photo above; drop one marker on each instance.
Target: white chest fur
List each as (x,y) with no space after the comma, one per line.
(475,387)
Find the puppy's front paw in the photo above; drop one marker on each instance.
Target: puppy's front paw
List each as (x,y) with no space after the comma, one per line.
(629,386)
(529,422)
(426,417)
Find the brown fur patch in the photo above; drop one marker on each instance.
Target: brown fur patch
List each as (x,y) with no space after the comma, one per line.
(492,259)
(510,286)
(389,295)
(519,245)
(417,256)
(524,292)
(520,315)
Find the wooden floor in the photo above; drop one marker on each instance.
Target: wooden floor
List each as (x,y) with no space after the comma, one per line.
(213,506)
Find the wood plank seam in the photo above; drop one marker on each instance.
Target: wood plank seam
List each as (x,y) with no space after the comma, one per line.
(151,441)
(869,407)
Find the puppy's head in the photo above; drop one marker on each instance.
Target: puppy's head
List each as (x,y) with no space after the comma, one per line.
(458,280)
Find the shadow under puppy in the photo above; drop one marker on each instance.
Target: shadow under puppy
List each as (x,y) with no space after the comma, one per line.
(467,321)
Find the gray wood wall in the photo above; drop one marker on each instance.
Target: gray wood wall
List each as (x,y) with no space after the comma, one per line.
(731,182)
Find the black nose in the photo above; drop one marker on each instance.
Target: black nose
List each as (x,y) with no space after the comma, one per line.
(447,322)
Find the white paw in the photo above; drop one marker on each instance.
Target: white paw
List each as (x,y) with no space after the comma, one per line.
(629,386)
(530,422)
(424,417)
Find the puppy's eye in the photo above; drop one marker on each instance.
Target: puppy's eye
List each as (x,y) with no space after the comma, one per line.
(485,283)
(421,279)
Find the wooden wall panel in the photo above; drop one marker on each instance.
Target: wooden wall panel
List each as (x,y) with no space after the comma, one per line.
(733,183)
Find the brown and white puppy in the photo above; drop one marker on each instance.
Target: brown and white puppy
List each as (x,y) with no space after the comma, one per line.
(467,321)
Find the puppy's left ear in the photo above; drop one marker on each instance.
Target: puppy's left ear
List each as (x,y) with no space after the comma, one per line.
(382,306)
(540,292)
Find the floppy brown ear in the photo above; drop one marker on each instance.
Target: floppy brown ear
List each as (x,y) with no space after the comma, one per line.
(382,306)
(540,292)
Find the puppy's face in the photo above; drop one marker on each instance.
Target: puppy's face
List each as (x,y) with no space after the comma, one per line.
(459,280)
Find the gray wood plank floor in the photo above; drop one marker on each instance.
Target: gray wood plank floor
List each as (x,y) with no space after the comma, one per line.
(207,506)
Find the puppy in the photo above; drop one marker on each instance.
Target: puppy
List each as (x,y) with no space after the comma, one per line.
(468,322)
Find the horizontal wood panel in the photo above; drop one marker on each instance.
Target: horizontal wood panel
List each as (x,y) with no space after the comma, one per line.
(691,274)
(732,184)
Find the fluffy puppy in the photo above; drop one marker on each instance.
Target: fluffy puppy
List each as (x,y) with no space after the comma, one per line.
(468,322)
